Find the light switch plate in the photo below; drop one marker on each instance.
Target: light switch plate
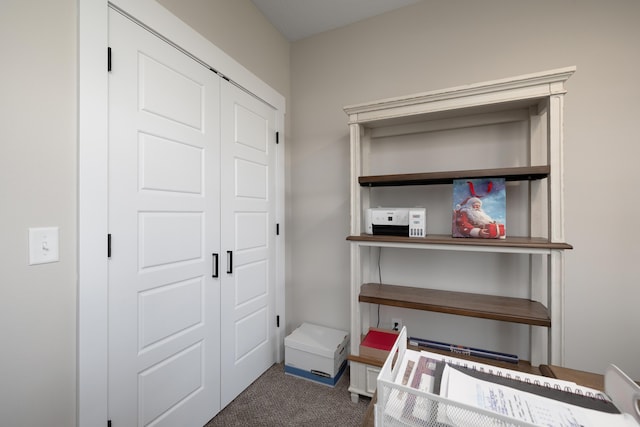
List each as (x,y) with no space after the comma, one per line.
(43,245)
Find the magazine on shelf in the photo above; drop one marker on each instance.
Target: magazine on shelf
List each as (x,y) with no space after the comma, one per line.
(459,349)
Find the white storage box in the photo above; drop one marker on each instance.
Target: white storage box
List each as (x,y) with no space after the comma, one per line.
(316,353)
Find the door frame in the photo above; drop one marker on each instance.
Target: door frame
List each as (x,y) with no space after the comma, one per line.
(92,308)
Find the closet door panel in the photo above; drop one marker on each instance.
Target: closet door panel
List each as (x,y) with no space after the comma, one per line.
(163,184)
(248,238)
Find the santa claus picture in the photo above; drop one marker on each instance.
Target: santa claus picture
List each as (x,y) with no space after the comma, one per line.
(479,207)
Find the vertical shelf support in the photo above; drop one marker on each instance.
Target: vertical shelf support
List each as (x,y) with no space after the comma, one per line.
(356,220)
(555,124)
(356,171)
(539,338)
(556,307)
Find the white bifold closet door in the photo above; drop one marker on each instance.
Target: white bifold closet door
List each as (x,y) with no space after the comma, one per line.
(186,301)
(248,239)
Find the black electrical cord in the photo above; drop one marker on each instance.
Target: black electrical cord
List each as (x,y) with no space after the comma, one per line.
(379,281)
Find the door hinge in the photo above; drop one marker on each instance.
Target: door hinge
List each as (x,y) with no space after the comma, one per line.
(108,245)
(277,137)
(108,59)
(277,229)
(277,321)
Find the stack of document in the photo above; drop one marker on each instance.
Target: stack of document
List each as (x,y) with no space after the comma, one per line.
(525,398)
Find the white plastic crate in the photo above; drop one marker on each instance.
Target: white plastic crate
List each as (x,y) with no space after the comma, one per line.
(431,410)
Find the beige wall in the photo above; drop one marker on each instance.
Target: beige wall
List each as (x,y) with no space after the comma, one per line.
(38,185)
(239,29)
(37,188)
(428,46)
(434,45)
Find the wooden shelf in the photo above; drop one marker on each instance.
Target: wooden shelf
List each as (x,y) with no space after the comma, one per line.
(526,173)
(366,360)
(522,365)
(508,309)
(446,239)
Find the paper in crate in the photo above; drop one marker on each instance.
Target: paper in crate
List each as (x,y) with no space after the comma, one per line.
(316,353)
(479,208)
(420,388)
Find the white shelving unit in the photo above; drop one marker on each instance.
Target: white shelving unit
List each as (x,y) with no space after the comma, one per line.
(535,103)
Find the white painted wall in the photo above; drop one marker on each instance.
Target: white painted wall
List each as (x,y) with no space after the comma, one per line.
(431,45)
(434,45)
(254,43)
(37,188)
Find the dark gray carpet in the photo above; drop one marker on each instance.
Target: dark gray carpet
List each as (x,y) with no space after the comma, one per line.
(277,399)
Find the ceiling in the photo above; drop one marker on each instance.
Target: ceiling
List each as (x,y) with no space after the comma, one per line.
(297,19)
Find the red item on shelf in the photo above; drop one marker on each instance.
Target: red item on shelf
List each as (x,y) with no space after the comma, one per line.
(377,343)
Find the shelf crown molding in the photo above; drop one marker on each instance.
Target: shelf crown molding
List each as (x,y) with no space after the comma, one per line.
(529,87)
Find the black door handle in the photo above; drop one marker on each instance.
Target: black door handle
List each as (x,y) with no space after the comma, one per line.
(214,268)
(230,262)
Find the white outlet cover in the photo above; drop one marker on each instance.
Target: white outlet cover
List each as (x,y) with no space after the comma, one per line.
(43,245)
